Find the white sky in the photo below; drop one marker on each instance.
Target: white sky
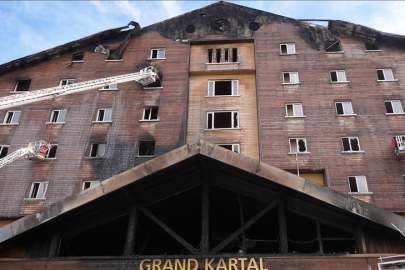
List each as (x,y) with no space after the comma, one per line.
(29,27)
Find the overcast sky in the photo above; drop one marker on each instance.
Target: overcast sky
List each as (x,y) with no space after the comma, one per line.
(30,27)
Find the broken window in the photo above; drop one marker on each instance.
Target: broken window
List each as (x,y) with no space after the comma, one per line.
(210,51)
(223,88)
(110,87)
(220,120)
(344,108)
(234,55)
(158,53)
(51,153)
(232,147)
(64,82)
(104,115)
(290,77)
(150,113)
(294,110)
(158,81)
(22,85)
(338,76)
(97,149)
(38,190)
(298,145)
(358,184)
(332,46)
(77,57)
(288,48)
(385,74)
(3,150)
(12,117)
(371,46)
(146,148)
(58,116)
(351,144)
(89,184)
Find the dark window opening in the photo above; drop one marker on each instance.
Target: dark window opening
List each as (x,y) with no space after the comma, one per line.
(218,56)
(353,184)
(223,120)
(158,82)
(284,49)
(226,146)
(380,74)
(332,46)
(388,106)
(209,125)
(301,146)
(77,57)
(223,88)
(190,28)
(93,152)
(52,152)
(146,148)
(210,56)
(35,188)
(350,144)
(22,85)
(333,76)
(234,55)
(86,185)
(226,55)
(346,144)
(3,151)
(371,46)
(151,113)
(154,53)
(55,116)
(97,150)
(339,108)
(9,117)
(100,115)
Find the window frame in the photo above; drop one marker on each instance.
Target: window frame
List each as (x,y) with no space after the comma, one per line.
(232,120)
(4,146)
(350,145)
(78,61)
(385,77)
(157,54)
(30,194)
(286,45)
(97,156)
(232,88)
(289,76)
(92,183)
(150,114)
(67,82)
(16,86)
(234,145)
(392,107)
(48,152)
(294,116)
(363,177)
(343,108)
(98,116)
(12,118)
(337,77)
(297,146)
(52,114)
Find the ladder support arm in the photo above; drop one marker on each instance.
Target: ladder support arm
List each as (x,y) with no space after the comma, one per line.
(13,156)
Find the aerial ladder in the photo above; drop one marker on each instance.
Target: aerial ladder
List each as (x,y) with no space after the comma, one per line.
(37,150)
(398,142)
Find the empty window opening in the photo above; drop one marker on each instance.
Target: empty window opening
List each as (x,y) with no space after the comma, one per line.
(38,190)
(146,148)
(150,113)
(58,116)
(210,55)
(344,108)
(351,144)
(77,57)
(234,55)
(287,48)
(358,184)
(218,120)
(52,152)
(110,87)
(64,82)
(3,150)
(218,56)
(385,74)
(158,53)
(226,55)
(97,149)
(338,76)
(294,110)
(298,145)
(104,115)
(371,46)
(223,88)
(158,82)
(22,85)
(12,117)
(89,184)
(393,106)
(332,46)
(232,147)
(290,77)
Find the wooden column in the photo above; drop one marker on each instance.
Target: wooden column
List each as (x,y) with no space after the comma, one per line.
(359,238)
(319,236)
(282,228)
(54,246)
(131,231)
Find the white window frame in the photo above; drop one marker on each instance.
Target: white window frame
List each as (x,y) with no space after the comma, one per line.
(290,48)
(57,120)
(48,151)
(364,187)
(235,146)
(290,77)
(103,120)
(294,106)
(157,54)
(98,150)
(401,111)
(386,71)
(150,114)
(232,120)
(3,147)
(92,183)
(297,147)
(45,188)
(12,118)
(344,110)
(234,88)
(339,80)
(350,145)
(110,87)
(68,82)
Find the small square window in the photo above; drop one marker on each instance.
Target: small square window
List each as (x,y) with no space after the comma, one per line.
(385,74)
(290,78)
(294,110)
(344,108)
(150,113)
(146,148)
(12,117)
(77,57)
(222,120)
(38,190)
(298,145)
(158,53)
(4,150)
(332,46)
(51,153)
(97,150)
(22,85)
(232,147)
(338,76)
(104,115)
(223,88)
(393,107)
(288,48)
(358,184)
(58,116)
(89,184)
(110,87)
(371,46)
(351,144)
(64,82)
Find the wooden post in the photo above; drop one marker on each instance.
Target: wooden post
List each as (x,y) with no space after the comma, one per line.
(54,246)
(319,236)
(358,236)
(131,231)
(205,232)
(282,228)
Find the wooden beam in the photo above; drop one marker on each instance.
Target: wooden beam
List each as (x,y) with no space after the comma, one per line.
(205,228)
(242,222)
(242,229)
(131,231)
(54,246)
(319,236)
(282,228)
(359,237)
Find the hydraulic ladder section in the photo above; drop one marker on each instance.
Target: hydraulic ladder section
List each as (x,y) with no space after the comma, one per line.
(34,150)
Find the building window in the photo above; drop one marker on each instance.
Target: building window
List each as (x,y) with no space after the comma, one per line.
(338,76)
(58,116)
(288,48)
(38,190)
(220,120)
(393,107)
(3,150)
(223,88)
(110,87)
(146,148)
(12,117)
(371,46)
(358,184)
(22,85)
(77,57)
(51,153)
(332,46)
(150,114)
(294,110)
(344,108)
(232,147)
(229,56)
(89,184)
(104,115)
(158,53)
(158,81)
(351,144)
(298,145)
(385,74)
(64,82)
(290,78)
(234,55)
(97,150)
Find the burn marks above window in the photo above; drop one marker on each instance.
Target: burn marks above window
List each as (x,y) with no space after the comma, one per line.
(22,85)
(222,25)
(190,28)
(254,26)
